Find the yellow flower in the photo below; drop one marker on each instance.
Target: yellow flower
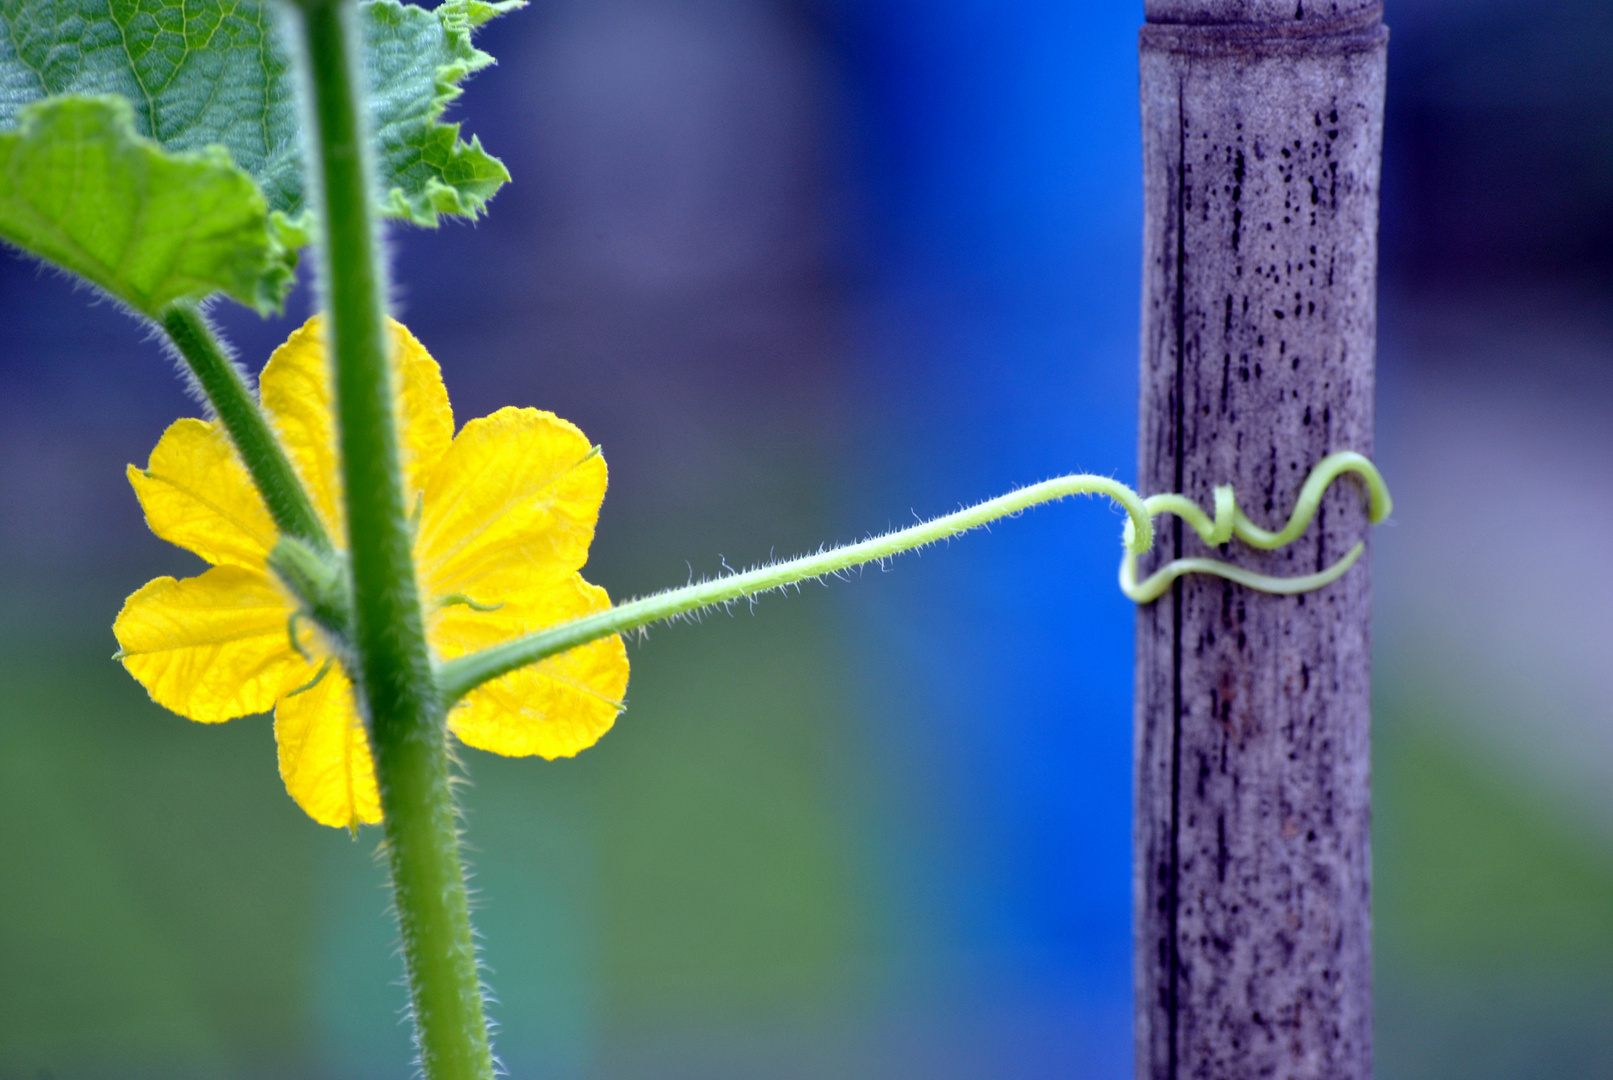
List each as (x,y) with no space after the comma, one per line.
(506,511)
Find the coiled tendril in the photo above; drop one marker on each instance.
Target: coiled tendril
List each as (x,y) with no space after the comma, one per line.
(458,677)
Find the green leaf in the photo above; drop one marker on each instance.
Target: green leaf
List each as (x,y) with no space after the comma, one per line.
(80,187)
(201,73)
(426,168)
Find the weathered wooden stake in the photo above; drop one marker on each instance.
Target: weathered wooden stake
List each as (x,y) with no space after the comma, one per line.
(1262,124)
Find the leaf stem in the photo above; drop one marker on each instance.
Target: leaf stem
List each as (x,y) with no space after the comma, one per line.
(237,408)
(406,716)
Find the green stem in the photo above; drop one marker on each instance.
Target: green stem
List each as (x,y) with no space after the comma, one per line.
(407,729)
(227,392)
(458,677)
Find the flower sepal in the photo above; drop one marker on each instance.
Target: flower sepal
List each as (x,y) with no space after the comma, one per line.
(319,580)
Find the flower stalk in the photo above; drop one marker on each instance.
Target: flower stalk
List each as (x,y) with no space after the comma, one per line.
(393,673)
(238,410)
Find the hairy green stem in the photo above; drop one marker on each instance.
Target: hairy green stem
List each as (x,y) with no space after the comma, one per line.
(459,677)
(237,408)
(406,715)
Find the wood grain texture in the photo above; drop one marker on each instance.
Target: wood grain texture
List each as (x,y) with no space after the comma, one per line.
(1261,147)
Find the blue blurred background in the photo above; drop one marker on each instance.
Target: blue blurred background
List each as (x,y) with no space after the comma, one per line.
(807,268)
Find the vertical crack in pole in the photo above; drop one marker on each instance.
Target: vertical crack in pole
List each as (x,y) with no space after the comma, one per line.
(1261,133)
(1178,398)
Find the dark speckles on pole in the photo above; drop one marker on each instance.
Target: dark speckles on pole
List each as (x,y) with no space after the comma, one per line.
(1262,125)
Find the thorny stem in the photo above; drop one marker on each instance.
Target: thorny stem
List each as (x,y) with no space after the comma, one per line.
(227,392)
(394,676)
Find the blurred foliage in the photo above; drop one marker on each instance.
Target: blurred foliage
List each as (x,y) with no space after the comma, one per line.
(725,877)
(156,910)
(1474,875)
(167,908)
(1493,916)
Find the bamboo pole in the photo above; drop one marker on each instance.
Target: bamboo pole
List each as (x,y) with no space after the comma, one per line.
(1262,123)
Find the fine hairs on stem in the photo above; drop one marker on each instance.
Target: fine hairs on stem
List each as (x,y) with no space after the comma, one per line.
(393,674)
(458,677)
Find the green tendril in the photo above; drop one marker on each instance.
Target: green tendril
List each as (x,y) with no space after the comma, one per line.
(460,598)
(324,669)
(291,633)
(458,677)
(1156,584)
(1229,521)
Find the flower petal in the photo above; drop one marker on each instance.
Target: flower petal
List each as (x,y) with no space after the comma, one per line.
(553,708)
(325,754)
(197,494)
(425,416)
(517,492)
(297,395)
(212,647)
(295,387)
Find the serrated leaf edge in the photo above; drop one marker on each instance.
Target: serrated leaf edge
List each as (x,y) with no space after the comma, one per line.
(459,18)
